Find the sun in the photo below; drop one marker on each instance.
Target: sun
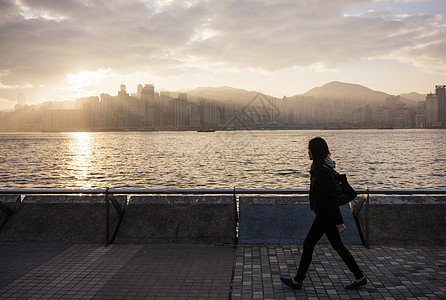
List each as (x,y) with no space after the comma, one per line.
(85,79)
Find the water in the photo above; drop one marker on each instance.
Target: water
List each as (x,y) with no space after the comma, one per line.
(378,159)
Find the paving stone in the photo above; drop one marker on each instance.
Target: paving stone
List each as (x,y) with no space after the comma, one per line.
(386,267)
(91,271)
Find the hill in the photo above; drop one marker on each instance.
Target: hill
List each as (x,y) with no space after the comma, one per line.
(341,90)
(331,90)
(414,96)
(221,94)
(412,99)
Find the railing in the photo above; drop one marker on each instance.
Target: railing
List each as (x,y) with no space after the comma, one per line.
(109,197)
(207,191)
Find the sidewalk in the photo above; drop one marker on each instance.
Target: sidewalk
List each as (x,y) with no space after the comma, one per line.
(213,272)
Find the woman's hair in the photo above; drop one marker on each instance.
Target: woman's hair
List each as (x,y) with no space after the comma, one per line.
(319,148)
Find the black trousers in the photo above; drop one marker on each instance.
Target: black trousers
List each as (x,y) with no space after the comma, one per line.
(320,227)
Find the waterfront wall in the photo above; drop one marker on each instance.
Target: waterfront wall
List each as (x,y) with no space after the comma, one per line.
(388,220)
(404,220)
(8,205)
(284,220)
(167,219)
(59,219)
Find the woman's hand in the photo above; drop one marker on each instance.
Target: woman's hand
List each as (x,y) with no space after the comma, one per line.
(342,228)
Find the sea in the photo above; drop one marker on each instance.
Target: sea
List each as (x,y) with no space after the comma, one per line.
(250,159)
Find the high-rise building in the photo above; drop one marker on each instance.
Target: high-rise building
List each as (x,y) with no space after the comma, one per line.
(122,99)
(179,110)
(21,101)
(391,103)
(431,110)
(165,109)
(90,107)
(420,115)
(440,91)
(148,105)
(210,117)
(207,113)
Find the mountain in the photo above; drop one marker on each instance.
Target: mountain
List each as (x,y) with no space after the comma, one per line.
(341,90)
(221,94)
(333,90)
(412,98)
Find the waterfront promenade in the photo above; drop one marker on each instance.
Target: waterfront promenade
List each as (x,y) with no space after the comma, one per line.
(185,271)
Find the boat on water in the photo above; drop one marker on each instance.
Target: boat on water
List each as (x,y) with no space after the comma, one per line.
(206,130)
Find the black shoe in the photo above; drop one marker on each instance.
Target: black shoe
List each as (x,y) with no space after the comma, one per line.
(289,282)
(355,284)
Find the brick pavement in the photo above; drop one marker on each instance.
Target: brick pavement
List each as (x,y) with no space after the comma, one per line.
(115,272)
(214,272)
(393,273)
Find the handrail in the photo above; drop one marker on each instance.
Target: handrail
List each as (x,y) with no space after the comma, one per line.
(210,191)
(52,191)
(108,195)
(401,192)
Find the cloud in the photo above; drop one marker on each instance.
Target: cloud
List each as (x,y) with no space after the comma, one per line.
(6,104)
(26,86)
(43,41)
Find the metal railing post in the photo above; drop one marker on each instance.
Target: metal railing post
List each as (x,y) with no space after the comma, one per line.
(107,218)
(367,218)
(234,198)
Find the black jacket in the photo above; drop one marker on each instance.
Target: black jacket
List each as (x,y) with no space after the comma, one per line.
(323,193)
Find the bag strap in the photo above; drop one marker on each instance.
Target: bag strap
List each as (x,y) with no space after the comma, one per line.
(330,168)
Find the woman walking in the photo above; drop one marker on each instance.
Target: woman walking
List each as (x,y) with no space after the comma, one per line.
(328,219)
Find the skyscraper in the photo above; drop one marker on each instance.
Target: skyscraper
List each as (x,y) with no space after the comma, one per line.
(148,105)
(440,91)
(431,110)
(179,110)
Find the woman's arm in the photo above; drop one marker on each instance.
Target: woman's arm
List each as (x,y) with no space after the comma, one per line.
(328,190)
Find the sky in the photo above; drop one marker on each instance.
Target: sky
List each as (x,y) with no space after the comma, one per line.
(52,50)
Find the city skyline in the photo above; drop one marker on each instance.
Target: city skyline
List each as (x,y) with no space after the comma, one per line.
(335,105)
(53,51)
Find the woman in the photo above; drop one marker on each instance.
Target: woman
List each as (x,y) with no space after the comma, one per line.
(328,219)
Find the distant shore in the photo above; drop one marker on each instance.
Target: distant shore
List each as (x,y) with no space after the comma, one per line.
(207,131)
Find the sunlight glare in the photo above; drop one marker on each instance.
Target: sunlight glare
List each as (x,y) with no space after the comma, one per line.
(87,78)
(81,164)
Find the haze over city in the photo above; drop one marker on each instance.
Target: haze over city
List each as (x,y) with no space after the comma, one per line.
(63,50)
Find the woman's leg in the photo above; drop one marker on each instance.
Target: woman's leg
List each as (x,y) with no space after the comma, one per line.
(313,236)
(334,237)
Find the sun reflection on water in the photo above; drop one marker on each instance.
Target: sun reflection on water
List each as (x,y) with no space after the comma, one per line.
(80,158)
(396,159)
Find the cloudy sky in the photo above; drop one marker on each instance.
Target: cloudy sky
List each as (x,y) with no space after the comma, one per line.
(54,50)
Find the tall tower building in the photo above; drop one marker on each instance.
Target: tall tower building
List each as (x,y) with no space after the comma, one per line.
(179,110)
(148,105)
(440,91)
(122,99)
(139,91)
(431,109)
(165,108)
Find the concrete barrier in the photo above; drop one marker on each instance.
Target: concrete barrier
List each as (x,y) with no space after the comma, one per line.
(405,220)
(284,220)
(8,204)
(393,220)
(59,219)
(177,219)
